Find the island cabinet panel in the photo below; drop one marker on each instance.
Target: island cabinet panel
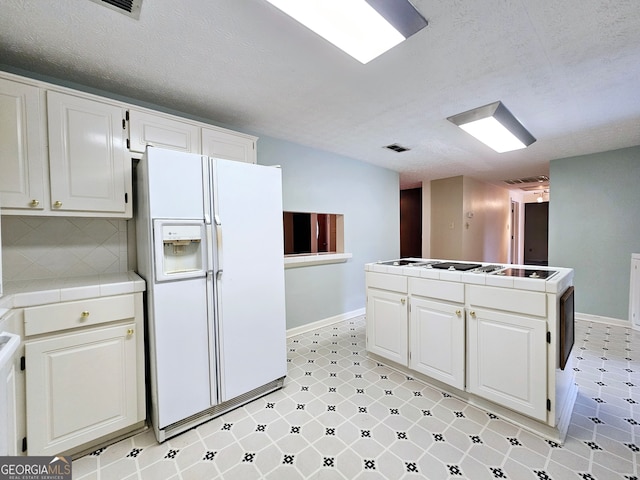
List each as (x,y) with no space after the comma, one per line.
(508,300)
(387,325)
(507,361)
(395,283)
(437,341)
(449,291)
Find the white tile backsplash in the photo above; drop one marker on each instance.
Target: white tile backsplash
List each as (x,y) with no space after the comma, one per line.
(56,247)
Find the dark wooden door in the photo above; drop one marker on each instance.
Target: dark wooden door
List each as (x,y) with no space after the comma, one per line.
(411,222)
(536,233)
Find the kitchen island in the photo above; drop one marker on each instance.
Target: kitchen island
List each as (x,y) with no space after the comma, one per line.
(497,336)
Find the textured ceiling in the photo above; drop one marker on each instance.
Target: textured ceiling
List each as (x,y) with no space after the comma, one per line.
(569,70)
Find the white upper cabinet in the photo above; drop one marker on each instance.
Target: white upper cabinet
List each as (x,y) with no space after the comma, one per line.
(68,153)
(229,145)
(163,132)
(87,155)
(22,148)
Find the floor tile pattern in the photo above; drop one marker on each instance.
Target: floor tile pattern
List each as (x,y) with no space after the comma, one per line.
(342,415)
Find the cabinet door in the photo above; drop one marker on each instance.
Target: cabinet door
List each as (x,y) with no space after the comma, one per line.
(507,360)
(437,343)
(80,387)
(387,325)
(86,155)
(228,146)
(159,131)
(9,412)
(22,172)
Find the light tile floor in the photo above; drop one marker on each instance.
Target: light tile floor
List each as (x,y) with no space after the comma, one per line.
(344,416)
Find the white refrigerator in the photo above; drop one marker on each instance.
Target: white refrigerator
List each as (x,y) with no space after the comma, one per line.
(210,248)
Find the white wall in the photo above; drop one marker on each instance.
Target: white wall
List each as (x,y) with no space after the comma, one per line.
(446,218)
(485,234)
(469,220)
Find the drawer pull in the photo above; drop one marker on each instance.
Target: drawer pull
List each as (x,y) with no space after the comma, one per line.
(130,331)
(34,203)
(85,314)
(57,204)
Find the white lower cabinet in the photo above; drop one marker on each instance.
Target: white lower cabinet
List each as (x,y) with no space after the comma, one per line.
(437,341)
(387,325)
(85,383)
(507,360)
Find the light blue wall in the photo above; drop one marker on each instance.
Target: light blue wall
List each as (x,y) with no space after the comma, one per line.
(367,196)
(594,226)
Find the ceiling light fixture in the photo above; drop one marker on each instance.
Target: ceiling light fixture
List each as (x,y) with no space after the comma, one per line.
(494,126)
(364,29)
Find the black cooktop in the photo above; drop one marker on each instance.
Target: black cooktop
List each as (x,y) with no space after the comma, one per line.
(526,273)
(456,266)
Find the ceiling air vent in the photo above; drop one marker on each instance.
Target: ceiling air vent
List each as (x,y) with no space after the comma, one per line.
(397,148)
(518,181)
(130,8)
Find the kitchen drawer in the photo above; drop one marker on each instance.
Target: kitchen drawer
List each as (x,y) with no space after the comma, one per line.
(510,300)
(385,281)
(450,291)
(82,313)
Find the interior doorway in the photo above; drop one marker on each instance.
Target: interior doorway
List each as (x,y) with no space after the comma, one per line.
(411,222)
(514,241)
(536,233)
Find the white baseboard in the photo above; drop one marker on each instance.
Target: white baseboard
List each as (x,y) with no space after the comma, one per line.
(292,332)
(600,319)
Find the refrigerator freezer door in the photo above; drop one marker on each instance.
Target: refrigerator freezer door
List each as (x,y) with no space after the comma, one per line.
(180,352)
(175,184)
(251,306)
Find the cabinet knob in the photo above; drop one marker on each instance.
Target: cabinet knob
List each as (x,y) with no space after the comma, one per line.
(130,331)
(85,314)
(57,204)
(472,313)
(402,301)
(458,313)
(34,203)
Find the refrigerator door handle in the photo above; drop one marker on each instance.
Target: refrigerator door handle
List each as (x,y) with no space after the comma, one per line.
(214,357)
(218,244)
(209,233)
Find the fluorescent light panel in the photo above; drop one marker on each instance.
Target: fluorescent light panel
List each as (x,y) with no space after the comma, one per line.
(357,27)
(495,126)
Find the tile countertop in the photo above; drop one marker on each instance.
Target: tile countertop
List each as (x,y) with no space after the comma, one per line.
(38,292)
(554,284)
